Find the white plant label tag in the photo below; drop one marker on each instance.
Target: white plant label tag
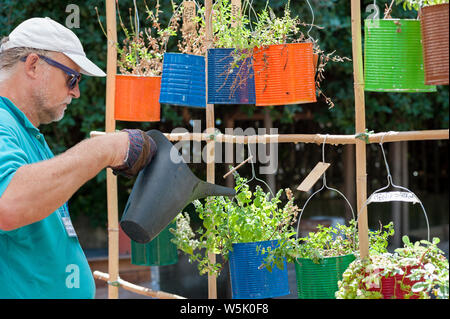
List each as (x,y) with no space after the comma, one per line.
(393,197)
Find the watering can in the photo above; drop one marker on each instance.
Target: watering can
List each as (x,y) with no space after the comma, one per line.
(162,189)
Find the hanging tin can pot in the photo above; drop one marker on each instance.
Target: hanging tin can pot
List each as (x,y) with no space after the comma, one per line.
(229,83)
(158,252)
(320,280)
(397,286)
(434,20)
(136,98)
(284,74)
(183,80)
(393,56)
(248,279)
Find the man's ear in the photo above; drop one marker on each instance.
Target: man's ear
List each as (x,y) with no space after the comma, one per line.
(31,65)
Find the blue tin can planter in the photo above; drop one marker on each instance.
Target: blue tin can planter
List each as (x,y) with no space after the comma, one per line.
(183,80)
(250,282)
(227,85)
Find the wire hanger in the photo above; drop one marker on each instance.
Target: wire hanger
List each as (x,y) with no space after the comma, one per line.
(324,185)
(391,183)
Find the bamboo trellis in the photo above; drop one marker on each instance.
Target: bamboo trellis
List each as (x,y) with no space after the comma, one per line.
(360,126)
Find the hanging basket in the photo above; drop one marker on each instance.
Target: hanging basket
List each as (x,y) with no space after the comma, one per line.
(284,74)
(159,252)
(397,286)
(320,281)
(136,98)
(250,282)
(393,56)
(435,26)
(183,80)
(227,84)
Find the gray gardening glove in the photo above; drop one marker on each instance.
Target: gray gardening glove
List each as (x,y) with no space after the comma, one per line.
(141,149)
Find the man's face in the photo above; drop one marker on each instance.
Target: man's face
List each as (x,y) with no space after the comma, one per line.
(52,94)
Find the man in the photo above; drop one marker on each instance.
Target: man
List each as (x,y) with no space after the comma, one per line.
(40,256)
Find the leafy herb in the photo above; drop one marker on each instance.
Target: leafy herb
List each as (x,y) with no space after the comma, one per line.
(428,269)
(417,4)
(333,241)
(249,217)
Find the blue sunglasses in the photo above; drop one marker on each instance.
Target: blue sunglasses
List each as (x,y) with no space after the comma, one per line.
(74,76)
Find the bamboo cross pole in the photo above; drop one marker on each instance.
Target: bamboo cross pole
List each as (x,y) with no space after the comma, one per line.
(110,126)
(360,126)
(392,136)
(135,288)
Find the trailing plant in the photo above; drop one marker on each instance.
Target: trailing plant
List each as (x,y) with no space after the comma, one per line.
(240,33)
(428,270)
(333,241)
(248,217)
(141,51)
(417,4)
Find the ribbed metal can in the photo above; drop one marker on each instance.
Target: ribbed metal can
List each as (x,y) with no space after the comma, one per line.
(159,252)
(284,74)
(183,80)
(320,280)
(393,56)
(248,280)
(434,20)
(136,98)
(229,83)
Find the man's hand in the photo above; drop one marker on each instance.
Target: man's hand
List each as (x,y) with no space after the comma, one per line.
(141,149)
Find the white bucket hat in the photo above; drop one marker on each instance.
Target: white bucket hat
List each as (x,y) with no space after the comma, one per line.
(47,34)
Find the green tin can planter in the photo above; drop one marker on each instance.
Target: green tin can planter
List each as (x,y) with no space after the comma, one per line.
(393,56)
(159,252)
(320,281)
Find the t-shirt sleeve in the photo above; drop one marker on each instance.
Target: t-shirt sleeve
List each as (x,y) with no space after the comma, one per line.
(12,157)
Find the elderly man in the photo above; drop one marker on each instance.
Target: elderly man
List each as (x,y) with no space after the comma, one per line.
(40,66)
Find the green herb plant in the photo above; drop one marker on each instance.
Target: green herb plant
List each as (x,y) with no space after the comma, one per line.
(428,272)
(248,217)
(417,4)
(333,241)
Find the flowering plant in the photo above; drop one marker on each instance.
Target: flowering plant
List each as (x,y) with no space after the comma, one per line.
(422,265)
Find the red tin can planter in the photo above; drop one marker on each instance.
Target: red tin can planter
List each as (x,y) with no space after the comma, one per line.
(435,33)
(137,98)
(284,74)
(397,286)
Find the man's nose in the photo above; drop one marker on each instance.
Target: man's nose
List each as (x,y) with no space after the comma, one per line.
(75,92)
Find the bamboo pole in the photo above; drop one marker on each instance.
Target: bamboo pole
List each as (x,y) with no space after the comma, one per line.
(135,288)
(110,126)
(308,138)
(210,165)
(360,126)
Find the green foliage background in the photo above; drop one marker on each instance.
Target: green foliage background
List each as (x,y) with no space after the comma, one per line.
(384,111)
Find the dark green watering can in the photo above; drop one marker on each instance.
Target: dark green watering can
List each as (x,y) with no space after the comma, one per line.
(161,191)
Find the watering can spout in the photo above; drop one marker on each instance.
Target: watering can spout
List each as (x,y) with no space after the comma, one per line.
(204,189)
(161,191)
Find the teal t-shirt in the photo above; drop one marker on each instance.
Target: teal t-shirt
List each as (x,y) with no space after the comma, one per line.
(39,260)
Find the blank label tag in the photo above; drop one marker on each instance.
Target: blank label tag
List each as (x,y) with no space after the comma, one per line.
(313,176)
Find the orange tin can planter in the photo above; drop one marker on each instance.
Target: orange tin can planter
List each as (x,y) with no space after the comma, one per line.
(137,98)
(284,74)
